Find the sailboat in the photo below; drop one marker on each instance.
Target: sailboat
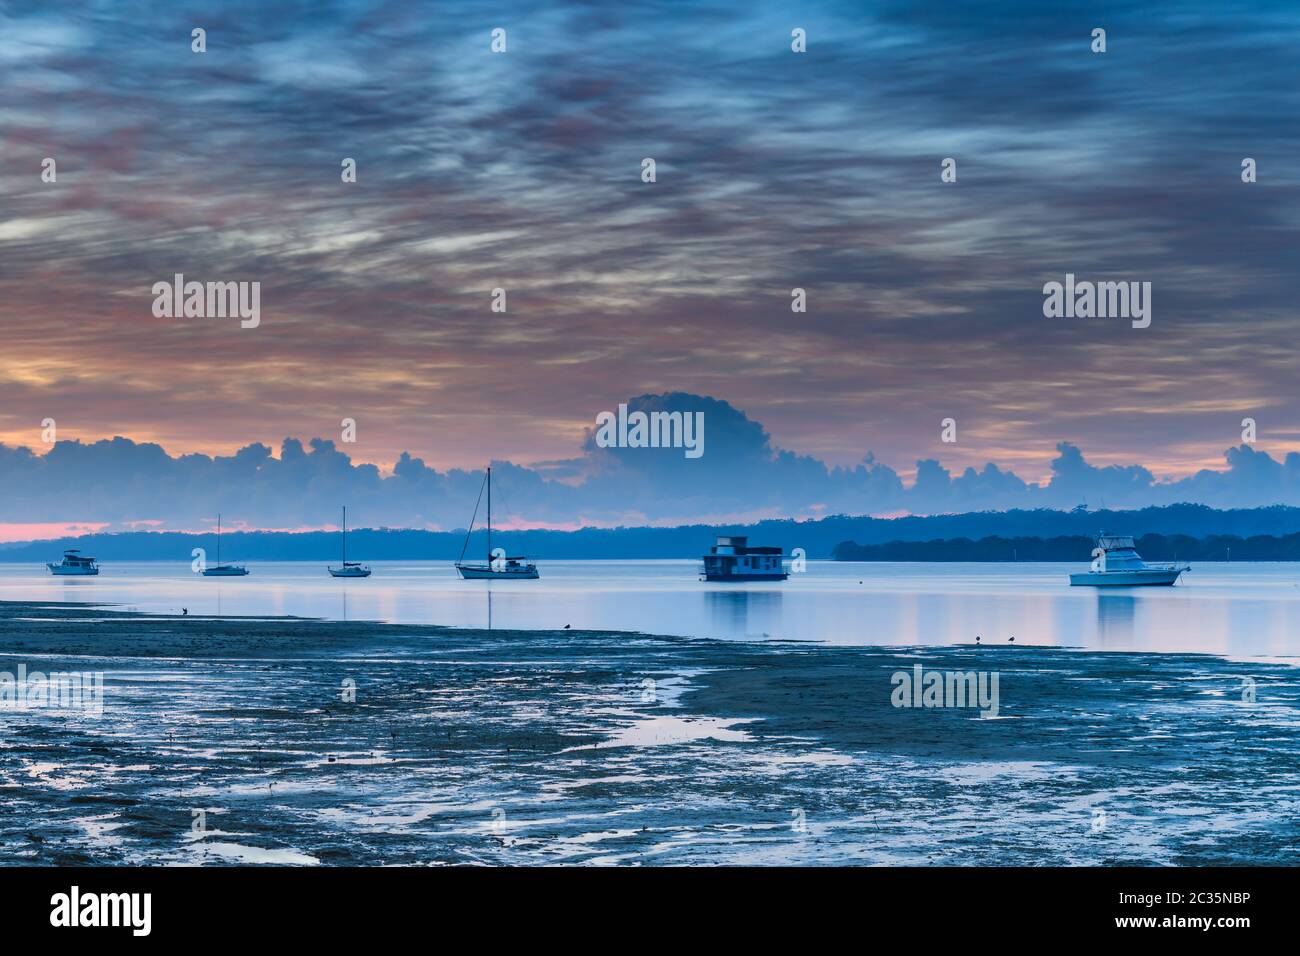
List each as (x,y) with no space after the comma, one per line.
(220,570)
(350,569)
(498,567)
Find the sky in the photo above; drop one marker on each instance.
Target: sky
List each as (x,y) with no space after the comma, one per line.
(522,170)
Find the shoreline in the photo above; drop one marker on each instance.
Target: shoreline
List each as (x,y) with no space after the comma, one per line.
(539,747)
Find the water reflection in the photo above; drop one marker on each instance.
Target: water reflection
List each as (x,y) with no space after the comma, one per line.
(743,613)
(1115,615)
(1238,608)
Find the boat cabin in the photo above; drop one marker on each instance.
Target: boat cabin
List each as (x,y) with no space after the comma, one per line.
(731,558)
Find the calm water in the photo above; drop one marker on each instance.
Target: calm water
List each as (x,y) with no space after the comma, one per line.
(1238,609)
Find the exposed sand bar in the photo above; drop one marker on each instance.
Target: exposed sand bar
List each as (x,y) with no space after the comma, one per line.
(234,740)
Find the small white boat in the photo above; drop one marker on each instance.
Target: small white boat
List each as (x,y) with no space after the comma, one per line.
(74,565)
(498,567)
(508,569)
(225,571)
(349,569)
(1116,563)
(220,570)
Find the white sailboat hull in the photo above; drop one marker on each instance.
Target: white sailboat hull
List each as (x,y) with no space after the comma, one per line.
(479,572)
(225,571)
(349,572)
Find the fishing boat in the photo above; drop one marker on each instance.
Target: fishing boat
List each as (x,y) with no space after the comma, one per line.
(732,559)
(220,570)
(498,567)
(74,565)
(349,569)
(1116,563)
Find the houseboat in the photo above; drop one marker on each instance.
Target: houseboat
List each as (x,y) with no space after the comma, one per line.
(732,559)
(1116,563)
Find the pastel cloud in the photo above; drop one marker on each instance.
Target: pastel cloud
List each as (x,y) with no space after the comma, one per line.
(776,170)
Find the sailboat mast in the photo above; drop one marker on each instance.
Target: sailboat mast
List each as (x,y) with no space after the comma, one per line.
(489,487)
(345,534)
(218,537)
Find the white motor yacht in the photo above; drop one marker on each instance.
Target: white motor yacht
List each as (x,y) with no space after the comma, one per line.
(74,565)
(1116,563)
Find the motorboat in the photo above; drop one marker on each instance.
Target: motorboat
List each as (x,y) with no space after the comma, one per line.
(1116,563)
(74,564)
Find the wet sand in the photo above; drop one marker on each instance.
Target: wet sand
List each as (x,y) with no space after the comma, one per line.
(234,740)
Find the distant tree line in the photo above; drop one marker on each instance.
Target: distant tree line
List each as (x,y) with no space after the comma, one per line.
(1183,528)
(1077,548)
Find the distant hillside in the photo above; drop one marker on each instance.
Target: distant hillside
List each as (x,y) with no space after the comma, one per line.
(819,539)
(1155,547)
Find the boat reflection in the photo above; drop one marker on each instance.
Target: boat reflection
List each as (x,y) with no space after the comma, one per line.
(747,613)
(1115,616)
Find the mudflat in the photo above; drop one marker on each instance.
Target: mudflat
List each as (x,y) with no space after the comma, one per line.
(298,741)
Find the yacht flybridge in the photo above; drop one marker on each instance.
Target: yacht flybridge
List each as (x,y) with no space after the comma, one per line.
(349,569)
(74,565)
(1116,563)
(220,570)
(498,567)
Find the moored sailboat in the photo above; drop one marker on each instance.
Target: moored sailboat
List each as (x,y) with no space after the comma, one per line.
(220,570)
(349,569)
(499,567)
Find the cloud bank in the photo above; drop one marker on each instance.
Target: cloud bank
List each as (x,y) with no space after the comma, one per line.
(742,476)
